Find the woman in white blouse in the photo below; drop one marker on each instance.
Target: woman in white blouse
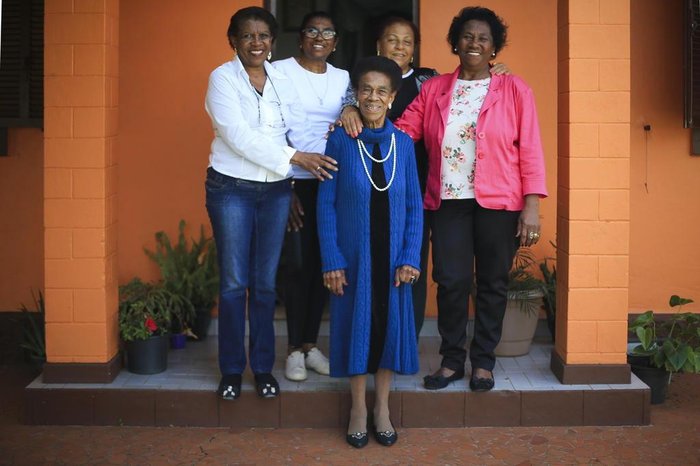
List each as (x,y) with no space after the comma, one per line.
(254,109)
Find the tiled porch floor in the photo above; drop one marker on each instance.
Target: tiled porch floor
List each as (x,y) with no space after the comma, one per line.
(196,368)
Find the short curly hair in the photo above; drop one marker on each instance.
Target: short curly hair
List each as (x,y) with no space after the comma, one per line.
(383,65)
(499,29)
(254,13)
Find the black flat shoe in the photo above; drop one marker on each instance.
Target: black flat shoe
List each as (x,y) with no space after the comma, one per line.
(357,439)
(229,387)
(437,382)
(481,384)
(266,385)
(387,437)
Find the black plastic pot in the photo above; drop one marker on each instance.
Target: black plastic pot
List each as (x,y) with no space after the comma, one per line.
(656,378)
(202,320)
(147,356)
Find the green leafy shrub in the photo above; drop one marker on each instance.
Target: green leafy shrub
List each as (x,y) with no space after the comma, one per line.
(676,346)
(188,269)
(33,329)
(147,309)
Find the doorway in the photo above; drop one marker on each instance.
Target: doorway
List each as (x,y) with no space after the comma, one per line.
(356,22)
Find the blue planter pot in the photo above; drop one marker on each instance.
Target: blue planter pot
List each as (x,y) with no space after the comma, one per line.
(178,340)
(147,356)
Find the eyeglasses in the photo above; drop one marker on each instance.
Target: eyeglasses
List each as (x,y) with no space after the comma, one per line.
(270,109)
(313,33)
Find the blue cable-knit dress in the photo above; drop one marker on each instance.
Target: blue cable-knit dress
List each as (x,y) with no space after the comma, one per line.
(344,233)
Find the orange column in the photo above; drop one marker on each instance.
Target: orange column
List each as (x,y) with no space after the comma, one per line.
(593,191)
(81,95)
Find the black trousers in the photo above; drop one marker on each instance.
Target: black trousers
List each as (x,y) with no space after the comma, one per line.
(466,238)
(305,295)
(420,288)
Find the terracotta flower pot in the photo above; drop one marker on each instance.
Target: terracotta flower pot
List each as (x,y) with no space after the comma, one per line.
(518,328)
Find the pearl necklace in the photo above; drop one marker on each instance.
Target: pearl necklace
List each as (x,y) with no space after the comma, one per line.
(363,151)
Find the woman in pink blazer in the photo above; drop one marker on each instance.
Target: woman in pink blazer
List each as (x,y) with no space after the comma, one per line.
(485,179)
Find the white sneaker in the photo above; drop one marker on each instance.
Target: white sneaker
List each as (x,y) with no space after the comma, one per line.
(294,368)
(317,361)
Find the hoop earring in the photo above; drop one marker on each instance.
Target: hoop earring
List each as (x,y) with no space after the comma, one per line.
(411,60)
(334,49)
(269,56)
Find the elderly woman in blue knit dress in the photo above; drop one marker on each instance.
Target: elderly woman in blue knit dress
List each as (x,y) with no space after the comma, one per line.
(370,226)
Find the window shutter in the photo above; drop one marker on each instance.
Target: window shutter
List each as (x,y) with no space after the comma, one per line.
(22,63)
(10,63)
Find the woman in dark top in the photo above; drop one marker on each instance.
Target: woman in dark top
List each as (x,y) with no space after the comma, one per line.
(396,39)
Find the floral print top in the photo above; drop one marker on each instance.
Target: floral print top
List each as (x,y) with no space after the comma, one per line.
(459,143)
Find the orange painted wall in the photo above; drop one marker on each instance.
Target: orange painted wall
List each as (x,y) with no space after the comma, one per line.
(21,218)
(164,137)
(166,55)
(665,227)
(164,132)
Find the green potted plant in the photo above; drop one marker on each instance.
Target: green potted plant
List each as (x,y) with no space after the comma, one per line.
(549,300)
(189,268)
(145,314)
(525,293)
(33,343)
(665,348)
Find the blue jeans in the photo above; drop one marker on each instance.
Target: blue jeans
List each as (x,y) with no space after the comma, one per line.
(248,219)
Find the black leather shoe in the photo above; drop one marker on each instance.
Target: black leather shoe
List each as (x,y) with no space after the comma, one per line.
(229,387)
(481,384)
(357,439)
(266,385)
(386,438)
(437,382)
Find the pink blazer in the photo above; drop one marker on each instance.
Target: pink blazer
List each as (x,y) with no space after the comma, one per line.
(510,161)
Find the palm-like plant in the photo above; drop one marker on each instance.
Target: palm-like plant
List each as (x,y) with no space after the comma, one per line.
(188,268)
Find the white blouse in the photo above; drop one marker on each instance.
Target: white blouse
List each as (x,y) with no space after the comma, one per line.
(321,96)
(251,130)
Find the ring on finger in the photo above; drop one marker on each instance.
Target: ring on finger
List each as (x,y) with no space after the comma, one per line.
(531,235)
(318,168)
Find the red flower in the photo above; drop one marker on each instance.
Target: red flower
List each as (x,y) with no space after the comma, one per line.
(151,325)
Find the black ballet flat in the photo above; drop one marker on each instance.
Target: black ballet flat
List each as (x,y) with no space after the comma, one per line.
(229,387)
(481,384)
(266,385)
(438,382)
(387,437)
(357,439)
